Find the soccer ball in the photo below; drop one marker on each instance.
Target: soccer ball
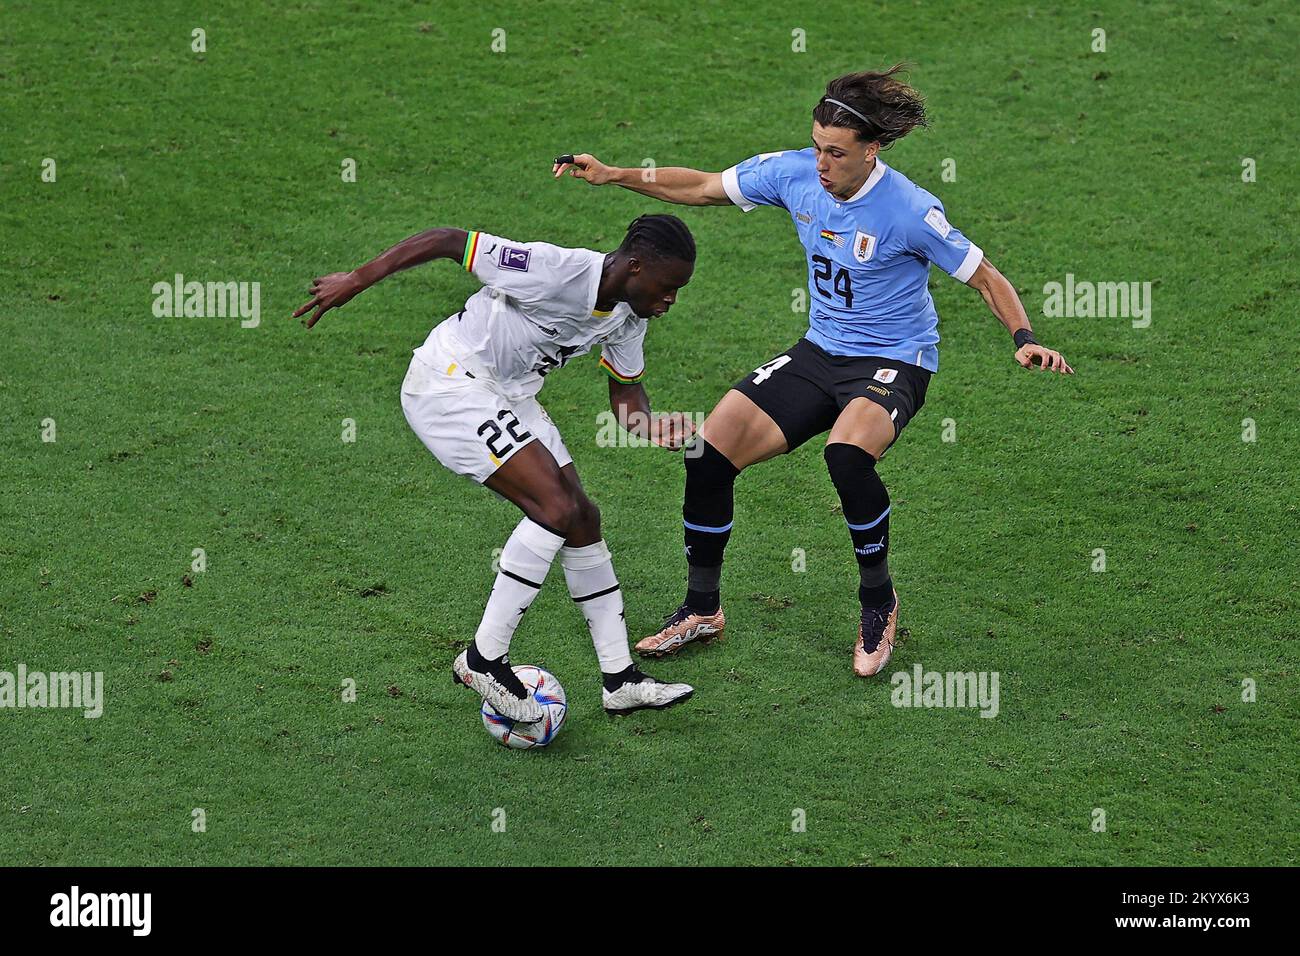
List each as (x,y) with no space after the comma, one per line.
(548,692)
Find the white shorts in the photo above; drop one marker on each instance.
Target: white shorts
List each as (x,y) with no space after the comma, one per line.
(468,423)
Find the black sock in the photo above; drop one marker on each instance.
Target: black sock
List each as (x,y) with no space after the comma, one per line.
(616,680)
(703,602)
(866,511)
(475,660)
(497,668)
(703,594)
(707,511)
(874,597)
(876,589)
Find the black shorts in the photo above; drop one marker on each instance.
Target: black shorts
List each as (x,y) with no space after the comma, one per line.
(805,388)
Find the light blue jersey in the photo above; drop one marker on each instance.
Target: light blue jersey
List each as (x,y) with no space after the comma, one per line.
(868,256)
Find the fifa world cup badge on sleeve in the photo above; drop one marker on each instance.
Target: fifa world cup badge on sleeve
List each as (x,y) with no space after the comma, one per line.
(512,258)
(938,222)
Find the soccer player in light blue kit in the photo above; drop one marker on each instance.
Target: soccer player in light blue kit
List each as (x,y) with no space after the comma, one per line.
(862,369)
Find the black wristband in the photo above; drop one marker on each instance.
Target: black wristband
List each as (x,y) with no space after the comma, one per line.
(1024,337)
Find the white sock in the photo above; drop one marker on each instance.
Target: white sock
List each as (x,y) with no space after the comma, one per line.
(524,562)
(589,572)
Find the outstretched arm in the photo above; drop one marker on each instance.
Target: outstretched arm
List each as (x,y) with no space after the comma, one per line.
(675,184)
(631,407)
(1005,304)
(338,288)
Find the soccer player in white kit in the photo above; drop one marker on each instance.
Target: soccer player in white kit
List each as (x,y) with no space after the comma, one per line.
(470,396)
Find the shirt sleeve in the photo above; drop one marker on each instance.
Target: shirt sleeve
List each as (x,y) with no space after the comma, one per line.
(932,238)
(525,271)
(623,358)
(758,181)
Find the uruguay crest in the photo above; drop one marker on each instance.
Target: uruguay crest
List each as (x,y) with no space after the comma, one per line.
(864,246)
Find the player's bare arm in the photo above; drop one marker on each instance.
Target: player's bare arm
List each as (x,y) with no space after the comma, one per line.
(675,184)
(335,290)
(1005,304)
(631,408)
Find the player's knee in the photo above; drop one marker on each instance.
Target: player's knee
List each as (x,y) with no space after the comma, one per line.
(706,467)
(848,464)
(588,517)
(563,511)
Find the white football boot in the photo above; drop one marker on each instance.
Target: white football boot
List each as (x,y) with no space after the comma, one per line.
(493,689)
(643,691)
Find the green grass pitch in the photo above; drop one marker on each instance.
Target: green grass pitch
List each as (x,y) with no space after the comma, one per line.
(327,561)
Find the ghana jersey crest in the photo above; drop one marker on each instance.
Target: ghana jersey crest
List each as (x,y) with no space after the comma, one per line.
(868,256)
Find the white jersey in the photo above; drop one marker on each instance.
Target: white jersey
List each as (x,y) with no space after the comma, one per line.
(535,312)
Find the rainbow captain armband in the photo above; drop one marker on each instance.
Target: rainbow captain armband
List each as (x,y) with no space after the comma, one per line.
(618,376)
(471,247)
